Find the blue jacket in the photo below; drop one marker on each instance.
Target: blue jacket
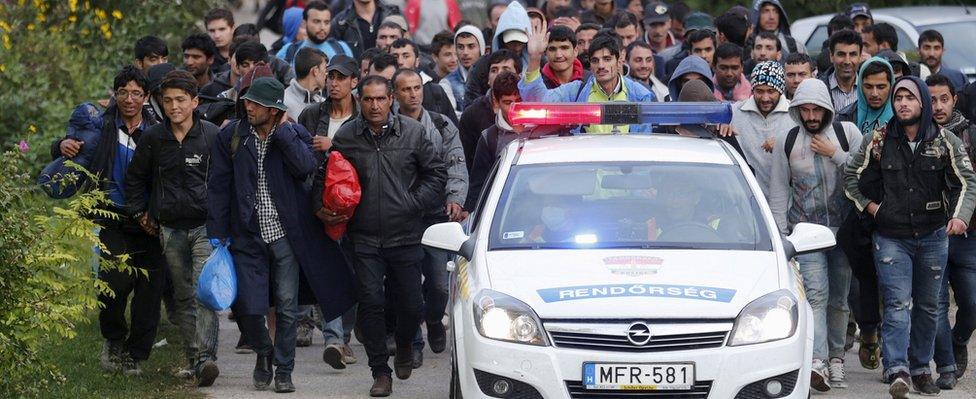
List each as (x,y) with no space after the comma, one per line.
(957,78)
(231,199)
(579,92)
(456,80)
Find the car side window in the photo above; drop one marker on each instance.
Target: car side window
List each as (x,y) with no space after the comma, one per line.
(483,195)
(815,43)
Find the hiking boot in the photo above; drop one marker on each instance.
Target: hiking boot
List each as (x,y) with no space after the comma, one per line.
(283,384)
(382,386)
(437,336)
(348,356)
(924,385)
(109,357)
(947,381)
(838,379)
(818,376)
(961,353)
(130,366)
(242,347)
(332,355)
(403,362)
(304,336)
(263,372)
(870,352)
(900,384)
(207,373)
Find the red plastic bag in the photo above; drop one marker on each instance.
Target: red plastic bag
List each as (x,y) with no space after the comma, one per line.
(342,191)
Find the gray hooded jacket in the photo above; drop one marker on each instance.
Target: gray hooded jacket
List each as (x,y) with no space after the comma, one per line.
(806,186)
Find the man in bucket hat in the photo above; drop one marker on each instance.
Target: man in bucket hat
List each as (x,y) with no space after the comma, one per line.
(259,204)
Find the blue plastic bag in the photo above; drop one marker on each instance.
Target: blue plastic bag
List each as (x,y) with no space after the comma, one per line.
(217,286)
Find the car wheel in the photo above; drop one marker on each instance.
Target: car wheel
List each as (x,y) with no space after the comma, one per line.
(455,379)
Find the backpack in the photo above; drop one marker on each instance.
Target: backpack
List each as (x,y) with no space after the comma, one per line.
(838,131)
(791,44)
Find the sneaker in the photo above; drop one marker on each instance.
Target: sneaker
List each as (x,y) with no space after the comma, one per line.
(185,373)
(961,353)
(242,348)
(109,357)
(899,385)
(332,355)
(818,376)
(870,352)
(130,366)
(838,378)
(348,356)
(947,381)
(207,373)
(304,337)
(924,385)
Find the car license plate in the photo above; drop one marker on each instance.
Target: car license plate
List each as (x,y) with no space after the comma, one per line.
(639,376)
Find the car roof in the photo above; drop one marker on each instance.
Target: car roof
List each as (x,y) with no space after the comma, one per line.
(928,15)
(614,148)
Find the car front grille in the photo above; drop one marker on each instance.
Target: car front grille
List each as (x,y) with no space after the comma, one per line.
(699,391)
(620,343)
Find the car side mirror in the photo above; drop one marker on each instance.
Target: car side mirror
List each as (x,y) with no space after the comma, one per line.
(449,237)
(807,238)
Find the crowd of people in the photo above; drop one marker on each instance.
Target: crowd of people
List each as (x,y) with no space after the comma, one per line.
(231,147)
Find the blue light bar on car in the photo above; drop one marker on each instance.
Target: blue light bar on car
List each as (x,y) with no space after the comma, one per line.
(620,113)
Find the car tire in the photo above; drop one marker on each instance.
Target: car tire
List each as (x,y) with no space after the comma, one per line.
(455,379)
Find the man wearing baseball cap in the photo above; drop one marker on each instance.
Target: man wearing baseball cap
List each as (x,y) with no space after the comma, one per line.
(258,205)
(860,13)
(323,119)
(657,26)
(512,33)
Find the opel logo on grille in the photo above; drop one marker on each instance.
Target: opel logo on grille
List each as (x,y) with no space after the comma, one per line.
(639,334)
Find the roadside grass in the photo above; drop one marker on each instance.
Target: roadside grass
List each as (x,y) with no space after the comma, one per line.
(77,360)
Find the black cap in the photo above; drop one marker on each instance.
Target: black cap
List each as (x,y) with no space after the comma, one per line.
(859,10)
(656,12)
(345,64)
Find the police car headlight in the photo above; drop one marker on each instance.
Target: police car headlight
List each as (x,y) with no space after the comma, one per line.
(771,317)
(501,317)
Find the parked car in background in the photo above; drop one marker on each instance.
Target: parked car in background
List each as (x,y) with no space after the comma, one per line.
(956,23)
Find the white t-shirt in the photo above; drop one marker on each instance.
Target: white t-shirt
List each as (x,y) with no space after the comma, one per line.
(334,124)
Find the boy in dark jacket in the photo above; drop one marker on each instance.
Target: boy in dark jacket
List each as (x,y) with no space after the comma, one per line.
(167,182)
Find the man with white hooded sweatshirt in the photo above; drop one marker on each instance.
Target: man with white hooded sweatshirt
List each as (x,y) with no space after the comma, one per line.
(470,47)
(762,117)
(806,184)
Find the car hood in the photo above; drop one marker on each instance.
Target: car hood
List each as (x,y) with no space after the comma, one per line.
(602,284)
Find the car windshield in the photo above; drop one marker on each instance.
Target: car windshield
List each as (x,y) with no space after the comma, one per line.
(960,46)
(627,205)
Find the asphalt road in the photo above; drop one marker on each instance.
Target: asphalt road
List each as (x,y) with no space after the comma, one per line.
(315,379)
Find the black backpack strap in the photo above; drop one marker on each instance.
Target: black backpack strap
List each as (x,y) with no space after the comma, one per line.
(292,50)
(439,122)
(791,140)
(580,91)
(841,136)
(790,44)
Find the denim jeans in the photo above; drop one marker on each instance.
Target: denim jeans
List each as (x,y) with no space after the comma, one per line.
(435,289)
(401,265)
(961,276)
(284,280)
(185,252)
(337,331)
(827,280)
(910,272)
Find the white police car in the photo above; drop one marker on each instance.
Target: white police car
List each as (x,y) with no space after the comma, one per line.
(626,266)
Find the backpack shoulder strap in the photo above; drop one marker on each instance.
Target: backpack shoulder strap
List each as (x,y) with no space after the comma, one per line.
(841,136)
(791,140)
(790,43)
(580,90)
(439,121)
(292,50)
